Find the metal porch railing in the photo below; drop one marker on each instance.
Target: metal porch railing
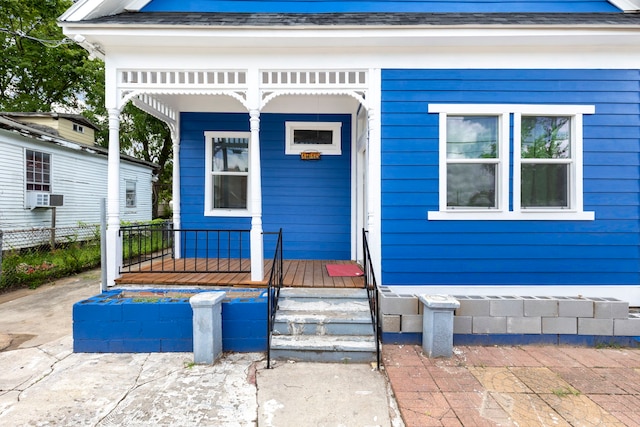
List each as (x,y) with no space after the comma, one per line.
(151,248)
(276,279)
(372,293)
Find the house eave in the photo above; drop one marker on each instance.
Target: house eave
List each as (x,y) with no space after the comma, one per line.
(117,38)
(16,128)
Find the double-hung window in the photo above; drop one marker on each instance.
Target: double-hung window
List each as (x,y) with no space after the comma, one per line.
(38,171)
(475,158)
(510,162)
(130,194)
(227,177)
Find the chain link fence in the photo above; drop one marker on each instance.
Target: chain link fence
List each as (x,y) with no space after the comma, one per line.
(34,256)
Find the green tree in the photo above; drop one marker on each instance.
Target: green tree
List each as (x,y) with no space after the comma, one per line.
(41,70)
(142,136)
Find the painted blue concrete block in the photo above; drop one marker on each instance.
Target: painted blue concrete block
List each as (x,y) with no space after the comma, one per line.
(86,311)
(402,338)
(90,346)
(96,330)
(108,323)
(176,329)
(244,345)
(83,331)
(128,330)
(117,346)
(137,311)
(244,329)
(175,310)
(177,345)
(157,330)
(247,310)
(142,346)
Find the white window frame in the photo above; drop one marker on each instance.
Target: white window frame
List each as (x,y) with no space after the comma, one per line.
(511,144)
(209,210)
(49,183)
(78,128)
(335,149)
(126,194)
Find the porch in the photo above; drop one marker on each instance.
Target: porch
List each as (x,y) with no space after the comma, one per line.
(193,272)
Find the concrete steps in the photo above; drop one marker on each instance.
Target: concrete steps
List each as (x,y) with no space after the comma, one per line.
(323,325)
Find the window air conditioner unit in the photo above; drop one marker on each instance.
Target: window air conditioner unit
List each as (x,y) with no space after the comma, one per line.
(36,199)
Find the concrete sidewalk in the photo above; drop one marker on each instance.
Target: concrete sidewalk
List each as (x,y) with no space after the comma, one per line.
(42,382)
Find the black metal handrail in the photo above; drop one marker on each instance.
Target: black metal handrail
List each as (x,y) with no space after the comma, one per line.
(372,293)
(273,292)
(207,251)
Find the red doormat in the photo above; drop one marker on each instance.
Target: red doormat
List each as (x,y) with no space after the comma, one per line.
(336,270)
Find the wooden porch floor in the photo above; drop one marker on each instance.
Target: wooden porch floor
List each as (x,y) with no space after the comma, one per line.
(297,273)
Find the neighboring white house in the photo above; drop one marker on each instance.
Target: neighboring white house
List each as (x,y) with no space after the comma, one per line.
(46,155)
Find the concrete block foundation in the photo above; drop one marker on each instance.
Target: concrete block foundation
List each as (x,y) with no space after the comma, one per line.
(499,319)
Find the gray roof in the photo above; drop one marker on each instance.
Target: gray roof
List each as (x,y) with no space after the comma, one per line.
(366,19)
(35,132)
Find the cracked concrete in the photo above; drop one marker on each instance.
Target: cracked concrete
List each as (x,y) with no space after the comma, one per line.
(162,389)
(43,383)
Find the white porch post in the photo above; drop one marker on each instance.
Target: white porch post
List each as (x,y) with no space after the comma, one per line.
(114,242)
(257,252)
(175,189)
(374,189)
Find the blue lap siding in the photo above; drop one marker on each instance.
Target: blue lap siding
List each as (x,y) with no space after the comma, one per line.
(416,251)
(309,200)
(336,6)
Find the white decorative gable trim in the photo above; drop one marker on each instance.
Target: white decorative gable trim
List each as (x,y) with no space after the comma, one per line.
(136,5)
(88,9)
(626,5)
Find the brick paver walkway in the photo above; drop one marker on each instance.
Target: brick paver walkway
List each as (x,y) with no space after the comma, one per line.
(516,386)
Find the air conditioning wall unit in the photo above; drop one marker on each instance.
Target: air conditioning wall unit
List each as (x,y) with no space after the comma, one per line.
(38,199)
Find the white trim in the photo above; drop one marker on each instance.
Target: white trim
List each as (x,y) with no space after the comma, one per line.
(335,149)
(478,215)
(208,185)
(626,5)
(374,171)
(354,172)
(501,162)
(621,292)
(575,211)
(549,110)
(136,5)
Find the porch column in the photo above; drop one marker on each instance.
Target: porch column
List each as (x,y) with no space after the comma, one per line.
(374,202)
(175,190)
(114,243)
(257,252)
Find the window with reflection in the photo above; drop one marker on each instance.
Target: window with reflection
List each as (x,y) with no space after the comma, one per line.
(227,163)
(472,161)
(510,161)
(546,161)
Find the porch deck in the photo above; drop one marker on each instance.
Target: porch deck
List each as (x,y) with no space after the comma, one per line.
(297,273)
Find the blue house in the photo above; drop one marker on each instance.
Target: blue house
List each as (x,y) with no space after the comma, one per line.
(487,147)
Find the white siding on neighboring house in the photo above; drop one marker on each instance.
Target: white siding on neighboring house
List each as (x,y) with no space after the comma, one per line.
(80,176)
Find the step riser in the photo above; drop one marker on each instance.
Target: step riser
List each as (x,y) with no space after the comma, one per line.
(323,356)
(320,305)
(295,328)
(323,294)
(316,326)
